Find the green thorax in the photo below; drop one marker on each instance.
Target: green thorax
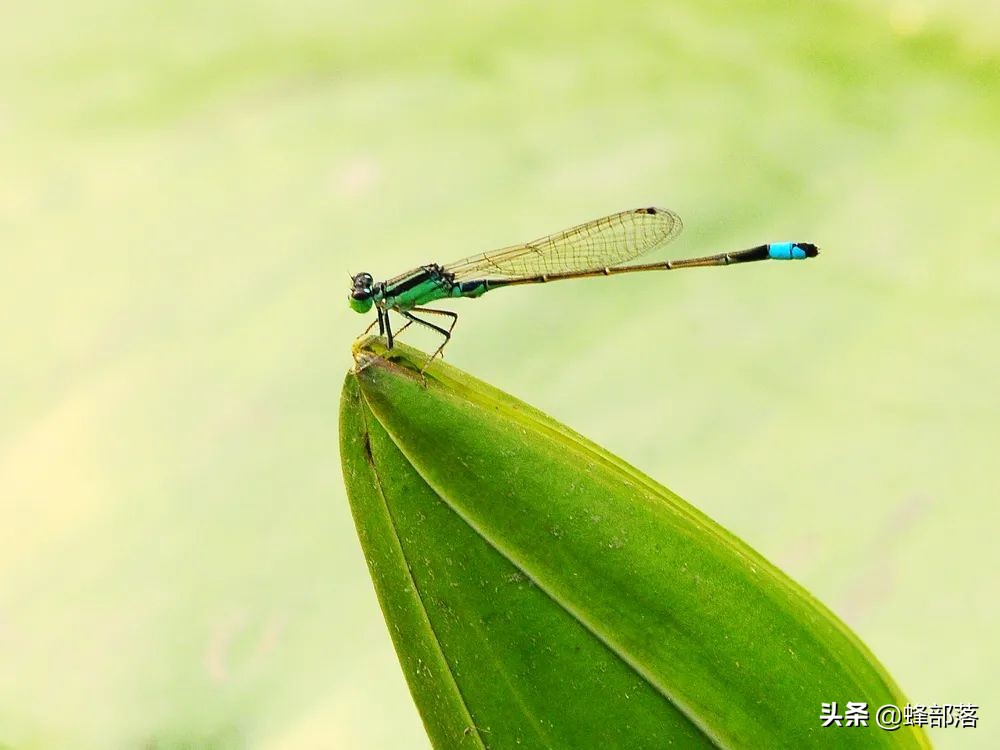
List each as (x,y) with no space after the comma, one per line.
(423,285)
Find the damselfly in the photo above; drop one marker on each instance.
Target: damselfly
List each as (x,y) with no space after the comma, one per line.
(601,247)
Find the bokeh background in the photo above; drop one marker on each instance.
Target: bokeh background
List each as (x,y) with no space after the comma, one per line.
(184,187)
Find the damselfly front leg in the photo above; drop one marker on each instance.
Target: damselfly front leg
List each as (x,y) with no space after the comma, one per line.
(376,322)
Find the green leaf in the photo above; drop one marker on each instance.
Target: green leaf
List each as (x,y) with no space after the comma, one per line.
(542,593)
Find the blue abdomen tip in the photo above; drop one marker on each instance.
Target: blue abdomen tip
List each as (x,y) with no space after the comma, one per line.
(791,250)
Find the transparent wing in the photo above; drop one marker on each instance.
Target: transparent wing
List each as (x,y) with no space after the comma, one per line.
(609,241)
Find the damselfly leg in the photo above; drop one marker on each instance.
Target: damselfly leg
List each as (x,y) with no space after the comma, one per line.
(376,322)
(385,328)
(408,314)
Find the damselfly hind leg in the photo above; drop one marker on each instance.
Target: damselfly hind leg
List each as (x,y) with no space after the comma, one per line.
(406,325)
(445,333)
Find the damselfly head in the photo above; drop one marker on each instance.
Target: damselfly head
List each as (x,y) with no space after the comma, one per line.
(361,296)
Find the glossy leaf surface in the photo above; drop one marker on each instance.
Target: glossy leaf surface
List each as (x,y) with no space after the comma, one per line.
(542,593)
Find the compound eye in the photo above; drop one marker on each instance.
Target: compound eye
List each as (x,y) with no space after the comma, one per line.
(363,283)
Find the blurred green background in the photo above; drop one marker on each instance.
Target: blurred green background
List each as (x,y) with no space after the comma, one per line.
(184,187)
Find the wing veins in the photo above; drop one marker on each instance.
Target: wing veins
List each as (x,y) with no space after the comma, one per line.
(609,241)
